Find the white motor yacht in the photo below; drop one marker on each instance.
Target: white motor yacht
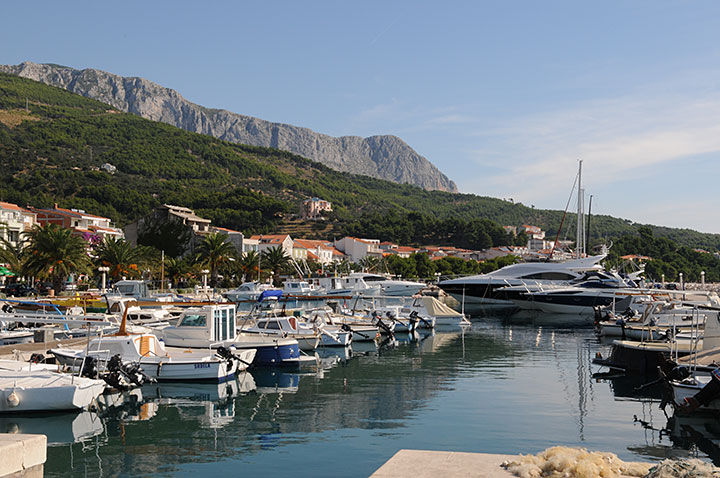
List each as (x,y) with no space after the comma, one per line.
(487,289)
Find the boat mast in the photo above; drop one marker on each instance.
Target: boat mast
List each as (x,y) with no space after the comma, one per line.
(580,239)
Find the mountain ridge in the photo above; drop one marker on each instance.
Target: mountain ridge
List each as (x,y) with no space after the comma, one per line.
(381,156)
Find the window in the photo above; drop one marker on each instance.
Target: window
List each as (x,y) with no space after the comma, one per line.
(549,276)
(193,320)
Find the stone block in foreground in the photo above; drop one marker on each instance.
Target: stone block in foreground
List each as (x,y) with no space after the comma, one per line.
(22,455)
(447,464)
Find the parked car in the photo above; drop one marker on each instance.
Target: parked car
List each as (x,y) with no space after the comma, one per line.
(17,289)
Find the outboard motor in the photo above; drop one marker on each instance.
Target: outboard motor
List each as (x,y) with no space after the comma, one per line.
(90,368)
(378,321)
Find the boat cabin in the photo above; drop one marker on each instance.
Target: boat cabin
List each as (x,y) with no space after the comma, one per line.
(204,326)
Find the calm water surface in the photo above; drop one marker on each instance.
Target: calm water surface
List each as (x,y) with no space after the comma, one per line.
(502,386)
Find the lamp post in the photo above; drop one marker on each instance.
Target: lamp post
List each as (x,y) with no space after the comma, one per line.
(702,278)
(104,270)
(205,273)
(437,277)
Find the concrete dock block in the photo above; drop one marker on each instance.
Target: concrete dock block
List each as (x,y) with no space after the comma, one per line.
(448,464)
(20,452)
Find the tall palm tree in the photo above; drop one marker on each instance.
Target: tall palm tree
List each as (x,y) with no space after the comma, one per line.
(276,260)
(215,253)
(248,265)
(120,256)
(54,253)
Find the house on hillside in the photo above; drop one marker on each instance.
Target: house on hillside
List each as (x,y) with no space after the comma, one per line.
(168,215)
(79,221)
(313,208)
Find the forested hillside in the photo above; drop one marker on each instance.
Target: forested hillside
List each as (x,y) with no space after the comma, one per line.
(53,143)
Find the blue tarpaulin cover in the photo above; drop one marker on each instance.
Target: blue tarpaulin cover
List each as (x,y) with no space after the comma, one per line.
(269,293)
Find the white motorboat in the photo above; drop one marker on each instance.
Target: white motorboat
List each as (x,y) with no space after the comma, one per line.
(388,286)
(345,286)
(487,289)
(309,336)
(157,361)
(247,291)
(298,288)
(26,387)
(361,332)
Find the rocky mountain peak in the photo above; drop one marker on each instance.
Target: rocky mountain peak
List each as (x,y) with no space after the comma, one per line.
(385,157)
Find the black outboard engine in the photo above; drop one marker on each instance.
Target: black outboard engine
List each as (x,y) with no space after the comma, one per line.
(227,354)
(382,325)
(90,368)
(120,375)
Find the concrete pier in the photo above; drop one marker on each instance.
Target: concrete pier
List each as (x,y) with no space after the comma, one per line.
(448,464)
(22,456)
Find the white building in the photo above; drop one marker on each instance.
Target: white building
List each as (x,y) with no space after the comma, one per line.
(15,220)
(356,249)
(268,241)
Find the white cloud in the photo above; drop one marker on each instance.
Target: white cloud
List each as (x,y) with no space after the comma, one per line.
(615,138)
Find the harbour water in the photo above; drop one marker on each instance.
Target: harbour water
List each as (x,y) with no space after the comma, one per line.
(501,386)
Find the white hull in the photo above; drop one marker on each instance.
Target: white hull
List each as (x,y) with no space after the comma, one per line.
(43,391)
(188,366)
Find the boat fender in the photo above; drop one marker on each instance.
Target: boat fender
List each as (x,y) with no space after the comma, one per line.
(293,322)
(13,400)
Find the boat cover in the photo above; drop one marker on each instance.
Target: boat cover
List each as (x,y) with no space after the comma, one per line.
(437,309)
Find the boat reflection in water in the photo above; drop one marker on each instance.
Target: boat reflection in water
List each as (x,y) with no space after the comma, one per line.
(60,428)
(696,433)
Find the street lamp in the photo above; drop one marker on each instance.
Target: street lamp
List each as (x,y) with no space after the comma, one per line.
(702,278)
(104,270)
(205,273)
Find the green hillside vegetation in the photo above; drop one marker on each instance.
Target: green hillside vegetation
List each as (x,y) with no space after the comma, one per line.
(53,153)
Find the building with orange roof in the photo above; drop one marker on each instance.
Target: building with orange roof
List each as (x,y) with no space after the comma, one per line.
(319,251)
(78,221)
(268,241)
(15,220)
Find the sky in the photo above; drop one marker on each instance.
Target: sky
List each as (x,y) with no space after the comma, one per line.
(503,96)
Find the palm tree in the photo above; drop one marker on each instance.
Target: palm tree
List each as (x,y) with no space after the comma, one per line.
(120,256)
(12,255)
(369,263)
(248,265)
(176,269)
(276,260)
(215,252)
(54,253)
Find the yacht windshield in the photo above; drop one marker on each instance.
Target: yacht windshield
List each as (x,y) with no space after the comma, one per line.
(193,320)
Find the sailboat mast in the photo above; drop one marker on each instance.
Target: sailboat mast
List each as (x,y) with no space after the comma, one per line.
(580,233)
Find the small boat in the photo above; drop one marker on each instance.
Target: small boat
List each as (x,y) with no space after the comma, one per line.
(214,325)
(247,291)
(309,336)
(156,360)
(26,387)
